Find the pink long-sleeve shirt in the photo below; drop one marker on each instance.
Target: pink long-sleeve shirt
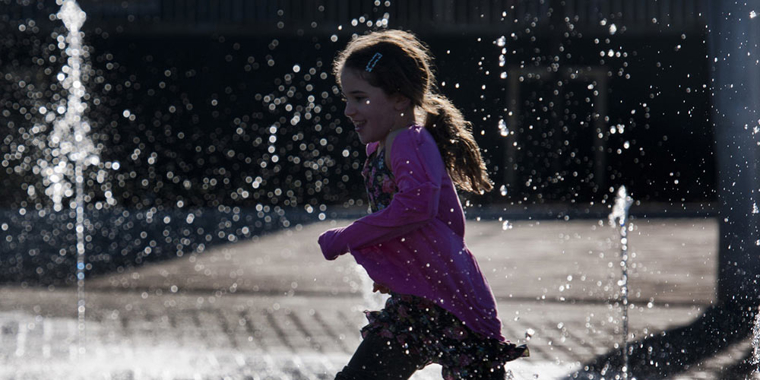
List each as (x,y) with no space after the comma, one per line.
(416,244)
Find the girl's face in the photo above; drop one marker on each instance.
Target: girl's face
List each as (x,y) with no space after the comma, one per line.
(373,112)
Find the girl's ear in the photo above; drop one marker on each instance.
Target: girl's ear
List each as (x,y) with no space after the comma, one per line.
(401,102)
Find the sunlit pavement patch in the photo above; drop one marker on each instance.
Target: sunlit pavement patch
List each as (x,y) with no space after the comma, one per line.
(36,348)
(166,361)
(300,338)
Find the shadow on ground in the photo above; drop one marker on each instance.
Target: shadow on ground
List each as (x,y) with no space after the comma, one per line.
(670,352)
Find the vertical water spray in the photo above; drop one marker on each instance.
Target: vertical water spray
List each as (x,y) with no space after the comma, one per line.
(619,218)
(74,148)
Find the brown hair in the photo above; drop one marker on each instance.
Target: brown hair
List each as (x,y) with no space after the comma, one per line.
(405,68)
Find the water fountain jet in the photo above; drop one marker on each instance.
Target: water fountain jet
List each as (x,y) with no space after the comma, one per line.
(70,136)
(619,218)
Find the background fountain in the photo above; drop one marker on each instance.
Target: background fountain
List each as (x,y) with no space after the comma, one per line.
(619,218)
(70,139)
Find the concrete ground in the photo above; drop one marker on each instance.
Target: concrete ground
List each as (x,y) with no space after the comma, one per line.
(273,308)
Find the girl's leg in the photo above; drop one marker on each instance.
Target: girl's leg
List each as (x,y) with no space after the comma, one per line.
(378,358)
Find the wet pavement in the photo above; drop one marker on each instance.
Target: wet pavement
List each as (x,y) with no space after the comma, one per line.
(273,308)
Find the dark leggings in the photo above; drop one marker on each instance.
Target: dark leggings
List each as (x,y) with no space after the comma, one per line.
(379,358)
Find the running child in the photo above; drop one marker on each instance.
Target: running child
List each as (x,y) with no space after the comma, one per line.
(419,149)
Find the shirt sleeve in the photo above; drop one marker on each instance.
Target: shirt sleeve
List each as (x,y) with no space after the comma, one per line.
(418,171)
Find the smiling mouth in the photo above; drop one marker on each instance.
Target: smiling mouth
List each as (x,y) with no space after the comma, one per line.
(359,124)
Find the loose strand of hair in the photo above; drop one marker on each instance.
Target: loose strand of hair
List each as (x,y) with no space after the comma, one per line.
(460,151)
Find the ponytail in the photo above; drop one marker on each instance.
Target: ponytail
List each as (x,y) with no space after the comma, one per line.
(460,152)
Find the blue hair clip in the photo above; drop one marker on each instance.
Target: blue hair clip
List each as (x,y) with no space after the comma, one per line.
(372,62)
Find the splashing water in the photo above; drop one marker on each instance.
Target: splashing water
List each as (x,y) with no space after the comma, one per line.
(69,136)
(503,129)
(69,140)
(372,300)
(619,217)
(619,212)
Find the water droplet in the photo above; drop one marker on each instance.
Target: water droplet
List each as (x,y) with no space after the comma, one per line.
(503,130)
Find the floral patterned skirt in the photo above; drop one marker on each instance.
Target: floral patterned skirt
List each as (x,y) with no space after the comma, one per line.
(427,330)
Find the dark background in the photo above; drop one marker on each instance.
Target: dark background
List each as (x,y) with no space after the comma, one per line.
(222,74)
(228,109)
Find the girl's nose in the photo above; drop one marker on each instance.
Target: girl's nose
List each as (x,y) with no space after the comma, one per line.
(349,110)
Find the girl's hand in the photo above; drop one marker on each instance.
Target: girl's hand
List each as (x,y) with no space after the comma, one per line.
(380,288)
(330,245)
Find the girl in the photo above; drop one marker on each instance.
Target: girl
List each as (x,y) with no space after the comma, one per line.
(441,309)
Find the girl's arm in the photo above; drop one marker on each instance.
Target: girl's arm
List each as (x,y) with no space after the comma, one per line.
(418,170)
